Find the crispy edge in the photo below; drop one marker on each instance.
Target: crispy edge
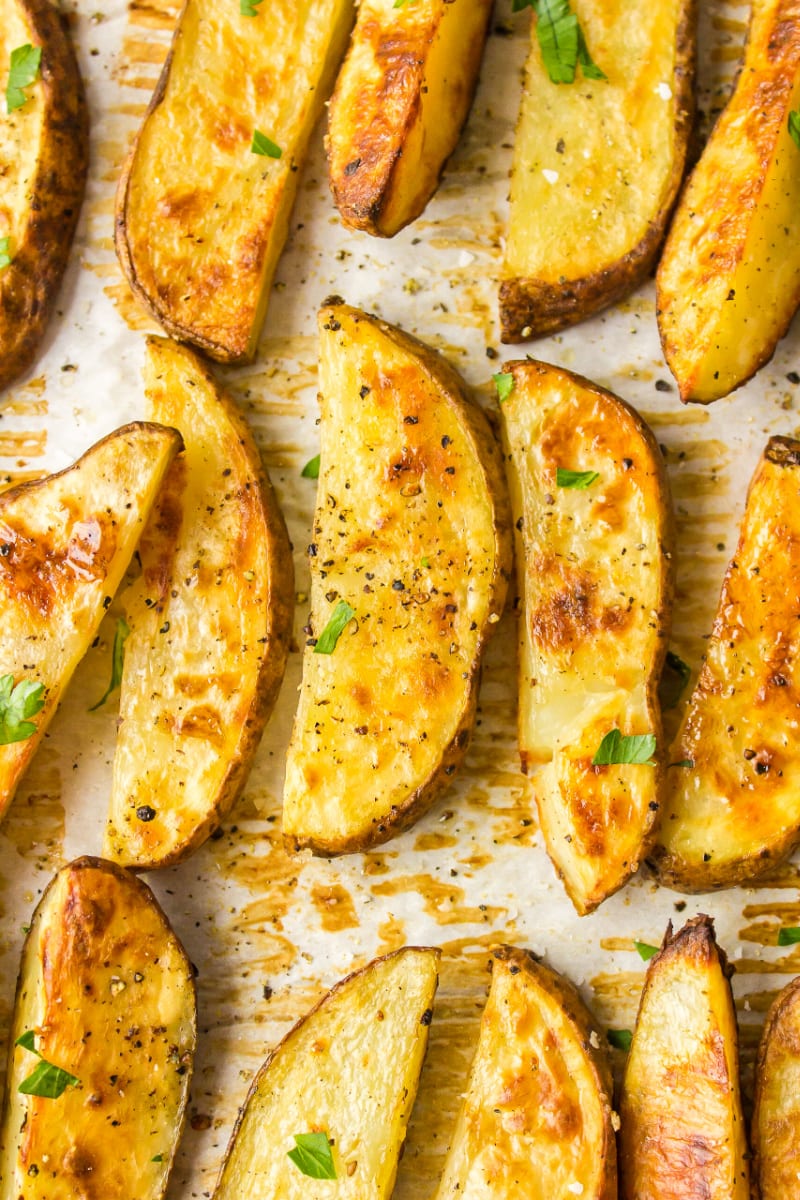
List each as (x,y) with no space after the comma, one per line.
(786,999)
(29,285)
(530,308)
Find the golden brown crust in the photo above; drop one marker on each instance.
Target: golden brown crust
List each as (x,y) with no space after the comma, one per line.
(776,1113)
(29,285)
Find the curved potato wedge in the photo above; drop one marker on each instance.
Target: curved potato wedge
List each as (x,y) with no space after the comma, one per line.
(201,217)
(596,574)
(536,1119)
(682,1132)
(401,99)
(108,994)
(348,1070)
(729,278)
(776,1111)
(412,539)
(44,148)
(210,621)
(732,803)
(597,165)
(65,543)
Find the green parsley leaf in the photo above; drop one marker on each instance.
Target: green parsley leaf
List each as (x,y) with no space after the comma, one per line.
(23,71)
(16,705)
(426,563)
(614,748)
(264,146)
(674,678)
(401,3)
(342,616)
(160,1157)
(645,951)
(621,1038)
(504,384)
(5,257)
(45,1079)
(248,8)
(312,1155)
(117,661)
(311,469)
(789,935)
(575,479)
(561,40)
(682,762)
(794,126)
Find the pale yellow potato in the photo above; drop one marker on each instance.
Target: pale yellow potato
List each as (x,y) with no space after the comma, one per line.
(349,1069)
(775,1135)
(108,992)
(729,278)
(595,573)
(401,99)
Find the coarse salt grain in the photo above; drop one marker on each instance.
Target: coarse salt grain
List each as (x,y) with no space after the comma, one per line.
(664,91)
(550,176)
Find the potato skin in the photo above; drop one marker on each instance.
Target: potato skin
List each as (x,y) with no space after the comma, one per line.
(728,282)
(404,451)
(29,285)
(109,993)
(682,1133)
(402,96)
(776,1111)
(536,1116)
(560,295)
(734,813)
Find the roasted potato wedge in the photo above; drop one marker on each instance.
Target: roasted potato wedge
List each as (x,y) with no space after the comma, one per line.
(401,99)
(210,621)
(349,1071)
(108,994)
(65,543)
(776,1111)
(729,278)
(536,1119)
(595,571)
(732,803)
(682,1132)
(412,540)
(597,165)
(201,216)
(43,160)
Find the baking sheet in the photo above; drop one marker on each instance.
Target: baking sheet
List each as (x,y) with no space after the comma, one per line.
(269,932)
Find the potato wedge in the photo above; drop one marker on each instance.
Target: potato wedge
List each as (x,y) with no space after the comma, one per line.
(44,148)
(729,279)
(401,99)
(202,218)
(210,619)
(536,1119)
(65,543)
(108,994)
(348,1070)
(682,1132)
(776,1111)
(597,165)
(412,538)
(735,811)
(596,575)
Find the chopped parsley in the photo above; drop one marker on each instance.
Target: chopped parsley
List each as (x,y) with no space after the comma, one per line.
(789,935)
(575,479)
(341,617)
(561,40)
(794,126)
(249,8)
(674,678)
(5,257)
(117,661)
(312,1155)
(22,72)
(45,1080)
(264,146)
(616,748)
(645,950)
(311,469)
(17,704)
(504,382)
(620,1038)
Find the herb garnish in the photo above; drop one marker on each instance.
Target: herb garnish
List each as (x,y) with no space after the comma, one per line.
(504,382)
(45,1080)
(248,8)
(674,678)
(341,617)
(5,257)
(645,950)
(311,469)
(794,126)
(575,479)
(789,935)
(621,1038)
(23,71)
(264,146)
(616,748)
(117,661)
(16,705)
(561,40)
(312,1155)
